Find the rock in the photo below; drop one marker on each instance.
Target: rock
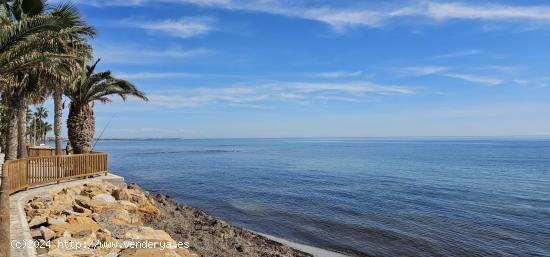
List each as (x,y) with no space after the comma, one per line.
(128,204)
(111,246)
(92,190)
(118,221)
(76,225)
(57,221)
(62,202)
(79,209)
(139,198)
(147,252)
(111,255)
(31,213)
(95,217)
(149,212)
(122,194)
(37,204)
(67,234)
(94,205)
(38,220)
(182,252)
(62,252)
(104,198)
(150,234)
(47,233)
(35,233)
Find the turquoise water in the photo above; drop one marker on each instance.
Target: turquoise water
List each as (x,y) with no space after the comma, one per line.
(462,197)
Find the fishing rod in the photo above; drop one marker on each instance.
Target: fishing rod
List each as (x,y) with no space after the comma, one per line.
(103,131)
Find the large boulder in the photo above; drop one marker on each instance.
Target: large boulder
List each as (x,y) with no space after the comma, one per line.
(62,252)
(76,225)
(150,234)
(57,220)
(92,190)
(47,234)
(148,212)
(104,198)
(122,194)
(38,220)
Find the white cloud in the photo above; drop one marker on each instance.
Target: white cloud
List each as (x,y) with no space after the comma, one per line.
(457,54)
(422,70)
(183,28)
(138,55)
(362,14)
(500,68)
(521,82)
(338,74)
(487,11)
(475,78)
(155,75)
(446,72)
(354,87)
(258,96)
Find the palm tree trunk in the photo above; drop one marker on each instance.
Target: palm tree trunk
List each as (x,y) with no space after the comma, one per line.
(4,217)
(81,128)
(58,112)
(11,154)
(11,137)
(34,131)
(22,132)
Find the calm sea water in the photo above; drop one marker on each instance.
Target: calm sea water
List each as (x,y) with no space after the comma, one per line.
(467,197)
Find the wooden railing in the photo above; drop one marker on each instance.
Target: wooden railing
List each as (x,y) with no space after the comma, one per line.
(34,171)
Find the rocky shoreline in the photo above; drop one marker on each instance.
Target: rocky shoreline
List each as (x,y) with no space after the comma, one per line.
(100,219)
(213,237)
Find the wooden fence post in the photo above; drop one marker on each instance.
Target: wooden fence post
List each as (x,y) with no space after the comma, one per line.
(4,214)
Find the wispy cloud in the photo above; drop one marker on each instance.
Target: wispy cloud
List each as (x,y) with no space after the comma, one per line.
(354,87)
(422,70)
(447,72)
(155,75)
(130,54)
(262,95)
(475,78)
(338,74)
(183,28)
(487,11)
(457,54)
(372,15)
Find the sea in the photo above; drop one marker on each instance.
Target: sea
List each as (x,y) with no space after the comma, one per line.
(360,196)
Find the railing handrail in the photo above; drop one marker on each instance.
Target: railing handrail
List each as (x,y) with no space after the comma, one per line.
(66,155)
(35,171)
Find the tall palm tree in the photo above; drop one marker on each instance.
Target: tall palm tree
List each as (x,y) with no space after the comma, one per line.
(40,115)
(83,92)
(66,72)
(29,41)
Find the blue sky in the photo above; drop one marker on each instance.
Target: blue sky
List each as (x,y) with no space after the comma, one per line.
(304,68)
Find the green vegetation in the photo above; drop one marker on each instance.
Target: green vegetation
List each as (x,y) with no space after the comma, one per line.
(43,53)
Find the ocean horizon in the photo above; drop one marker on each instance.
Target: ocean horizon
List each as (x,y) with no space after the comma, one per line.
(362,197)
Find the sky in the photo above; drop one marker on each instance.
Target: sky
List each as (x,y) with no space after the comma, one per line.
(324,68)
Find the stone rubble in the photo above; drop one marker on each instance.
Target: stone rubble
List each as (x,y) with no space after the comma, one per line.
(100,220)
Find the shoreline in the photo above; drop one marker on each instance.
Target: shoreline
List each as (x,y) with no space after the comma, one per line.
(210,236)
(165,200)
(315,251)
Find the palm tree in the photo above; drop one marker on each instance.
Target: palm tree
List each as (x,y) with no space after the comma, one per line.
(29,41)
(83,92)
(40,114)
(68,71)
